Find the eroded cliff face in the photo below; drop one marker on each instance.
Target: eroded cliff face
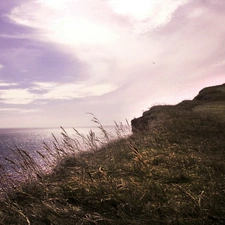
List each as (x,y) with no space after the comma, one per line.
(210,100)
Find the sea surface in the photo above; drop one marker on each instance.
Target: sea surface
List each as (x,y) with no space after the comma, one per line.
(33,142)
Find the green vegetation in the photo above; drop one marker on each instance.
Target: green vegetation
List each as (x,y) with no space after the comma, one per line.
(173,174)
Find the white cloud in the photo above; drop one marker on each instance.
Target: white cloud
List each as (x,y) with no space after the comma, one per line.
(107,36)
(96,32)
(53,91)
(16,96)
(15,36)
(4,84)
(71,91)
(61,24)
(139,10)
(18,110)
(55,4)
(146,15)
(74,22)
(41,86)
(1,66)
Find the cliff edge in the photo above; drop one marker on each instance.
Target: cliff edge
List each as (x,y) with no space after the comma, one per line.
(210,100)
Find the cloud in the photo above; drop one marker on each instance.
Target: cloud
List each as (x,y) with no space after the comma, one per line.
(53,91)
(71,91)
(146,15)
(43,86)
(105,35)
(73,22)
(116,39)
(4,84)
(1,66)
(15,36)
(16,96)
(60,24)
(18,110)
(56,4)
(144,9)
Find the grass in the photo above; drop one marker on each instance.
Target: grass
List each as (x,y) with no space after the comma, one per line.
(214,108)
(172,174)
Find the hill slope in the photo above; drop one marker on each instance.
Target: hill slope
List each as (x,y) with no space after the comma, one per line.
(210,100)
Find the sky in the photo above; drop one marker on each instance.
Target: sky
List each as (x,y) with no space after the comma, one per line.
(63,59)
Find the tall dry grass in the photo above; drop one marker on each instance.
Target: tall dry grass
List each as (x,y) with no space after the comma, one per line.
(23,168)
(172,174)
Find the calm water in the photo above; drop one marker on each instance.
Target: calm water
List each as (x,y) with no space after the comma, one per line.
(32,140)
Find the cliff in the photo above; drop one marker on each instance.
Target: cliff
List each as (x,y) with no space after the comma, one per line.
(210,100)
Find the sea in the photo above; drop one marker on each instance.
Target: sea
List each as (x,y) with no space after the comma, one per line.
(28,145)
(35,139)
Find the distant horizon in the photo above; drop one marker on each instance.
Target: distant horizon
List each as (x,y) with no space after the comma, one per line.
(115,58)
(72,127)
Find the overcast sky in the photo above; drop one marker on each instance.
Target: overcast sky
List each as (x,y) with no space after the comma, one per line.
(61,59)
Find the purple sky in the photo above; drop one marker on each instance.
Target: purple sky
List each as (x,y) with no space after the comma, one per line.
(60,59)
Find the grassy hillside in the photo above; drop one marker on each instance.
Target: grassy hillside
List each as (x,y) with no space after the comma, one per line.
(210,100)
(171,174)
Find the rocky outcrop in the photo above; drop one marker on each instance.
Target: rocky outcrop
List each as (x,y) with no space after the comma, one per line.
(210,100)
